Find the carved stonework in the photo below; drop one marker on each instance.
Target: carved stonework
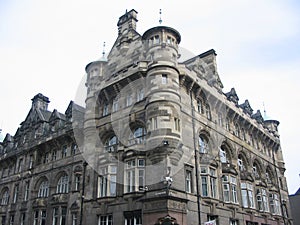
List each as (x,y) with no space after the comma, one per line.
(167,220)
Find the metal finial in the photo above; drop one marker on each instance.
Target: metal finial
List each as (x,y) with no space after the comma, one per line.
(160,20)
(265,113)
(103,52)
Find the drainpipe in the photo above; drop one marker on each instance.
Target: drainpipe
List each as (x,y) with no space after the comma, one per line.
(196,161)
(279,192)
(82,192)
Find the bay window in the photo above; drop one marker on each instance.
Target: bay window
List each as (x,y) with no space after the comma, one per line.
(247,195)
(229,189)
(135,175)
(208,182)
(262,200)
(107,181)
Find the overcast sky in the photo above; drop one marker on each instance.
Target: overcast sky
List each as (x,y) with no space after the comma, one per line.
(45,46)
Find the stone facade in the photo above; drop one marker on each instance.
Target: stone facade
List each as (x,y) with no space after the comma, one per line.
(159,142)
(295,206)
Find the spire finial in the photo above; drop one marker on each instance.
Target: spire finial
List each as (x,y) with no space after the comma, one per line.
(103,52)
(265,113)
(160,20)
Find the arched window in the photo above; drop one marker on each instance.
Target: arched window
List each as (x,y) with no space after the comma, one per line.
(5,197)
(110,144)
(224,153)
(203,144)
(256,170)
(237,130)
(199,106)
(43,189)
(241,163)
(269,175)
(63,184)
(138,136)
(207,111)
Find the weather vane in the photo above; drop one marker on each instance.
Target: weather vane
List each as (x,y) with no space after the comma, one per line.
(160,20)
(103,52)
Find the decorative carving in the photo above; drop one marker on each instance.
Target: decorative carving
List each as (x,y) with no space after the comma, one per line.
(167,220)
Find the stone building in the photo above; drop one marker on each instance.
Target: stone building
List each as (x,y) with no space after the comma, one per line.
(159,142)
(295,206)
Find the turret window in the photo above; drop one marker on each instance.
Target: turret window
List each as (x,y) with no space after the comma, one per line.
(140,95)
(138,136)
(164,79)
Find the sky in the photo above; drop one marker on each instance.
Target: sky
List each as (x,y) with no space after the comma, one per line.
(45,46)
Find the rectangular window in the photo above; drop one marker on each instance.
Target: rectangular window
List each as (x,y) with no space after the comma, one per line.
(36,217)
(55,215)
(213,183)
(3,220)
(106,220)
(63,215)
(177,124)
(229,189)
(135,175)
(77,182)
(74,219)
(262,200)
(133,218)
(129,100)
(223,158)
(107,181)
(74,149)
(54,155)
(64,151)
(164,79)
(20,165)
(26,191)
(188,181)
(43,217)
(233,189)
(23,217)
(234,222)
(46,158)
(105,110)
(115,106)
(16,193)
(11,220)
(274,204)
(140,95)
(247,195)
(220,119)
(30,161)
